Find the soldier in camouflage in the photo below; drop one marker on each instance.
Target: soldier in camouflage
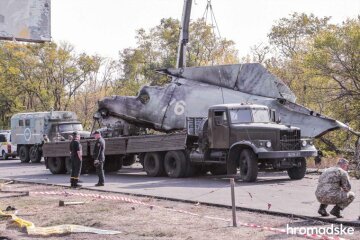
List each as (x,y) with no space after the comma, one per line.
(334,188)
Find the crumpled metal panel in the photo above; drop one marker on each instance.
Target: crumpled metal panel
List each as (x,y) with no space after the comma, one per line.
(25,20)
(166,108)
(250,78)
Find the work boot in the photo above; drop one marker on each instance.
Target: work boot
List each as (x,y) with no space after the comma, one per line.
(336,211)
(322,210)
(72,182)
(99,185)
(76,185)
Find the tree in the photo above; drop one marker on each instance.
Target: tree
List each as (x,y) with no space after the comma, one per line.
(38,77)
(335,55)
(157,49)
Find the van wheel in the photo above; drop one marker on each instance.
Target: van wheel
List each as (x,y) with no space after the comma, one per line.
(24,154)
(297,173)
(175,164)
(35,155)
(56,165)
(154,164)
(4,155)
(248,165)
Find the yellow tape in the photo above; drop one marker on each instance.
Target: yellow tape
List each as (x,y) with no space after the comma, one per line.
(60,229)
(20,222)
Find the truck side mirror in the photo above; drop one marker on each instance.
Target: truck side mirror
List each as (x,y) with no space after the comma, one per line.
(272,115)
(278,119)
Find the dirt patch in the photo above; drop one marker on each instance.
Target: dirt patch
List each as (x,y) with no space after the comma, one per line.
(133,220)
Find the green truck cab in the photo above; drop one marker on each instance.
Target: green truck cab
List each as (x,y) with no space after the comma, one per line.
(248,137)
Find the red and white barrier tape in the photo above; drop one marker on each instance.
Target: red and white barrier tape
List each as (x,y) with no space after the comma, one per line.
(130,200)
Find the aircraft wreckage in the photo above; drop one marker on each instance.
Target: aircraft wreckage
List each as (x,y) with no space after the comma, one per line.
(194,89)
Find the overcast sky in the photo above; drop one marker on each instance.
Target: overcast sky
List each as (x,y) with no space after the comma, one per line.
(107,26)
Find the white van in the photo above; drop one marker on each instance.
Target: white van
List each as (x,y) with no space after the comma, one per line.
(7,149)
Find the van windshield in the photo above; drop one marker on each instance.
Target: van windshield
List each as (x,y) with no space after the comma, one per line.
(70,127)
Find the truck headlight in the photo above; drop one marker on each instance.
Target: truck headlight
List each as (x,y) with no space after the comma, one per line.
(304,143)
(268,144)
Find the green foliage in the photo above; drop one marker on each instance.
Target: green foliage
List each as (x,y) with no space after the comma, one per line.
(157,49)
(321,64)
(38,77)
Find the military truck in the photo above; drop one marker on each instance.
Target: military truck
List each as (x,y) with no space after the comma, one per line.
(27,130)
(232,137)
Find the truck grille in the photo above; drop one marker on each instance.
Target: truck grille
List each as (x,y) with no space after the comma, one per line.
(290,140)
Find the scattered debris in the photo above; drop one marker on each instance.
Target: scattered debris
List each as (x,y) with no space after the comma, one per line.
(53,230)
(10,208)
(63,203)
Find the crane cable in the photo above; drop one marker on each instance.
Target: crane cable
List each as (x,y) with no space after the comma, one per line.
(212,18)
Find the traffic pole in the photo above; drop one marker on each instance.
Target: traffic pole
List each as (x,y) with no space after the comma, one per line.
(232,184)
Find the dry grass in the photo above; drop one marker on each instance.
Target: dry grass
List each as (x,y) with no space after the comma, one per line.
(134,221)
(325,162)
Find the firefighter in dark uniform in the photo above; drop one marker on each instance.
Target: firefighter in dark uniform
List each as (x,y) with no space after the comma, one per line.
(76,160)
(99,158)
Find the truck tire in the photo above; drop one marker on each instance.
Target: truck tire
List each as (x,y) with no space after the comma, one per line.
(112,163)
(56,165)
(218,169)
(248,165)
(129,160)
(175,164)
(4,155)
(24,154)
(154,164)
(68,166)
(35,155)
(297,173)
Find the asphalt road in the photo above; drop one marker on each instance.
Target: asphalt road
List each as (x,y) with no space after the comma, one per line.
(273,191)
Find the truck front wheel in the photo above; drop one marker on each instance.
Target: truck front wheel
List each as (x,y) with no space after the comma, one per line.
(297,173)
(175,164)
(248,165)
(56,165)
(24,154)
(154,164)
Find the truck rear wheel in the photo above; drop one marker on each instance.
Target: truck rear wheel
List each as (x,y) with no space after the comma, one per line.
(129,160)
(297,173)
(248,165)
(24,154)
(175,164)
(35,155)
(113,163)
(154,164)
(56,165)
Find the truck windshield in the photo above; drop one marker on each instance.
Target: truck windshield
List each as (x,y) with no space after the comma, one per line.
(240,115)
(249,115)
(71,127)
(261,115)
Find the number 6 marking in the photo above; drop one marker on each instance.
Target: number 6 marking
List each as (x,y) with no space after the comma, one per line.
(179,108)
